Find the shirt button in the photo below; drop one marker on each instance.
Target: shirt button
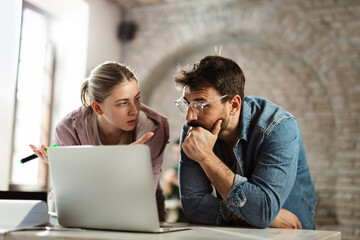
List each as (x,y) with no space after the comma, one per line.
(237,201)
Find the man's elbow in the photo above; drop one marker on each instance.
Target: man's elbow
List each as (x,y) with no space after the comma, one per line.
(196,214)
(190,212)
(190,216)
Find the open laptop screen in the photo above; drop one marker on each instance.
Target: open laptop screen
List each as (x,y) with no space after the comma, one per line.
(104,187)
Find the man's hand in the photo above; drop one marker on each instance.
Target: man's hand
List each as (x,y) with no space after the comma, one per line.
(199,142)
(286,219)
(198,145)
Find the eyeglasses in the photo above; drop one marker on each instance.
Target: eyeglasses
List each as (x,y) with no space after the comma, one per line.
(196,107)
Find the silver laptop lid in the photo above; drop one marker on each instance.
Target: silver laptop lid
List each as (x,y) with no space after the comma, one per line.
(104,187)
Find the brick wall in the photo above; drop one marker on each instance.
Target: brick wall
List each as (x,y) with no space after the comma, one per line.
(304,55)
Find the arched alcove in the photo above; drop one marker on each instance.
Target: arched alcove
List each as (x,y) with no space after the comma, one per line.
(273,72)
(293,54)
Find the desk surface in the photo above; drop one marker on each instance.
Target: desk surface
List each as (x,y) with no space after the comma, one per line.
(194,233)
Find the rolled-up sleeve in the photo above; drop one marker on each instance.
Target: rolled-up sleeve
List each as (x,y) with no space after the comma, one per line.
(259,200)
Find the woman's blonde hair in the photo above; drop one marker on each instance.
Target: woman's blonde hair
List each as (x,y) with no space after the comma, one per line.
(101,82)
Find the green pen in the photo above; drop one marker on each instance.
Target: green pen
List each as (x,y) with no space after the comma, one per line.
(33,156)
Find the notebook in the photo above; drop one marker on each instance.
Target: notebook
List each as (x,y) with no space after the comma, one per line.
(105,187)
(22,214)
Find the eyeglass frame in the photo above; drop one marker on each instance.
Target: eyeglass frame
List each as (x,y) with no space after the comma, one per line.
(197,105)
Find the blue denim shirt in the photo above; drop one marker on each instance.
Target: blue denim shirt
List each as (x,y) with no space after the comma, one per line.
(271,174)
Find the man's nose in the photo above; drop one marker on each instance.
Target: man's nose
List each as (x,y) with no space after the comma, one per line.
(190,115)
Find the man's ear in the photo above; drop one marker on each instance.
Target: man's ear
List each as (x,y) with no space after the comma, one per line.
(235,104)
(96,107)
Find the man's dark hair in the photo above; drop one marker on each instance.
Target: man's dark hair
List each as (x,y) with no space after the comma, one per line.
(221,73)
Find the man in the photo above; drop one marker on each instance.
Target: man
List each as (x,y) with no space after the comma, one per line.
(249,149)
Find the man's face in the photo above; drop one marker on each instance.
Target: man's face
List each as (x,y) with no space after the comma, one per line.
(211,112)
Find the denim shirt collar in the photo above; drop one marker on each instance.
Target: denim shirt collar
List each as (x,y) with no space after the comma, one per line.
(245,119)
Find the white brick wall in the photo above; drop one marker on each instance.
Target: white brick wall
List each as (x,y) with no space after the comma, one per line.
(303,55)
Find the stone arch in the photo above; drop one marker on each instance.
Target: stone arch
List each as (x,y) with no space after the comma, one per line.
(283,28)
(166,67)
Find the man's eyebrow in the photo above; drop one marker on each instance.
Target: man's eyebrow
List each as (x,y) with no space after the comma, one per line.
(200,99)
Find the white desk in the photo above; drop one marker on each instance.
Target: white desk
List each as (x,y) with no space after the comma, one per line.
(195,233)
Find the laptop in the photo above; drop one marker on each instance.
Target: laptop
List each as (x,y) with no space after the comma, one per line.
(105,187)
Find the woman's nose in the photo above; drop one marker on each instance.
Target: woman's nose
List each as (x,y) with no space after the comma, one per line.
(133,109)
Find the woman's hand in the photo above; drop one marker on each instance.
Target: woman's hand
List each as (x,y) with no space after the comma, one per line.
(40,152)
(143,139)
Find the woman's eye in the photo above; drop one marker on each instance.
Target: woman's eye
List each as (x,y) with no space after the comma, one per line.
(121,104)
(137,99)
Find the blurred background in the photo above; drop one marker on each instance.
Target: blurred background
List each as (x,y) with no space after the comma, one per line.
(301,54)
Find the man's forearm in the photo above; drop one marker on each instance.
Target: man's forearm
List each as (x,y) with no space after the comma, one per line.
(198,145)
(198,204)
(219,174)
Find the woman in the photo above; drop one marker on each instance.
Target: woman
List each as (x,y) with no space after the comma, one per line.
(112,114)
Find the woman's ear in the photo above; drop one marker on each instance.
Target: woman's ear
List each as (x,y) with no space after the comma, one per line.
(235,104)
(96,107)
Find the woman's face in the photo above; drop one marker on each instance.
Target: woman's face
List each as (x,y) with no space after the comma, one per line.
(121,108)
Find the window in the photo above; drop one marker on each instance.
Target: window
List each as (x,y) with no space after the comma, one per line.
(33,99)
